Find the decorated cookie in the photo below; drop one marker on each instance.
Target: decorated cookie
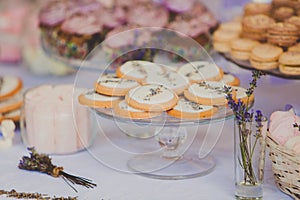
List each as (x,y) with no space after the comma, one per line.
(12,103)
(113,86)
(169,79)
(9,86)
(191,110)
(138,70)
(200,71)
(13,115)
(93,99)
(241,94)
(207,93)
(230,79)
(151,97)
(124,110)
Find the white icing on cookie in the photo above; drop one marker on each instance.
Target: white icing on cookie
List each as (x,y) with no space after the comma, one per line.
(227,78)
(94,96)
(187,106)
(124,106)
(140,69)
(117,82)
(209,89)
(151,94)
(8,84)
(169,79)
(199,70)
(240,92)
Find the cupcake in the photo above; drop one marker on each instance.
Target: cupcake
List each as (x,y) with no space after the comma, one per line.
(50,18)
(148,15)
(78,35)
(128,42)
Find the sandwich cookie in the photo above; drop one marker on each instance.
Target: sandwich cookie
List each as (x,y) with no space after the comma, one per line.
(122,109)
(138,70)
(169,79)
(265,56)
(207,93)
(95,100)
(9,86)
(289,63)
(113,86)
(151,97)
(191,110)
(200,71)
(12,103)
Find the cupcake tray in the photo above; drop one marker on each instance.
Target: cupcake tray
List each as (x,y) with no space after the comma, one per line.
(246,65)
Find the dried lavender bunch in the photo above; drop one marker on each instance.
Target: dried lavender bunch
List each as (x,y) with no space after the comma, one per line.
(42,163)
(24,195)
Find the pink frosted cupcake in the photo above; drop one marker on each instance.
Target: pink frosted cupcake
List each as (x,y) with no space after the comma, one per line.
(113,17)
(128,43)
(50,18)
(148,15)
(78,35)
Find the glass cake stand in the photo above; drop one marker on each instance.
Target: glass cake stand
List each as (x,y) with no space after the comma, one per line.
(174,160)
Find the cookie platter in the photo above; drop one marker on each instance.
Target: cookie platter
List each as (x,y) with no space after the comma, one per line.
(265,37)
(246,65)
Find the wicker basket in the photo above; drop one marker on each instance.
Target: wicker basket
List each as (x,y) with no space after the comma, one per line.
(286,168)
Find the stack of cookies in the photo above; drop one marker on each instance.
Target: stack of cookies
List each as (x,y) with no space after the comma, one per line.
(283,34)
(226,33)
(256,26)
(289,63)
(241,48)
(11,98)
(265,56)
(142,89)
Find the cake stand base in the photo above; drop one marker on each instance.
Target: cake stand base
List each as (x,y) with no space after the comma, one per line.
(159,167)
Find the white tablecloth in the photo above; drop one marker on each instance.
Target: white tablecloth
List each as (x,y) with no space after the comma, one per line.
(106,166)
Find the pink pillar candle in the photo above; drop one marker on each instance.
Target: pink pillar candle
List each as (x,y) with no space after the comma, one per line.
(54,122)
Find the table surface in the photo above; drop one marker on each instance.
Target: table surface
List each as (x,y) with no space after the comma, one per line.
(105,161)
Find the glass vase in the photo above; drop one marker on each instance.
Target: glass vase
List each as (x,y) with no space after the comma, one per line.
(249,158)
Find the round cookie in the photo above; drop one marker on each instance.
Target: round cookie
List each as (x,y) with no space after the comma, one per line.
(290,58)
(257,23)
(243,44)
(283,28)
(12,103)
(241,94)
(191,110)
(266,53)
(282,13)
(169,79)
(9,86)
(254,8)
(122,109)
(289,70)
(240,55)
(263,65)
(230,79)
(138,70)
(221,46)
(151,97)
(295,47)
(233,26)
(207,93)
(114,86)
(95,100)
(225,36)
(13,115)
(200,71)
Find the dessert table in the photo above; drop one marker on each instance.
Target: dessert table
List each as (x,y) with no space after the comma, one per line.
(106,166)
